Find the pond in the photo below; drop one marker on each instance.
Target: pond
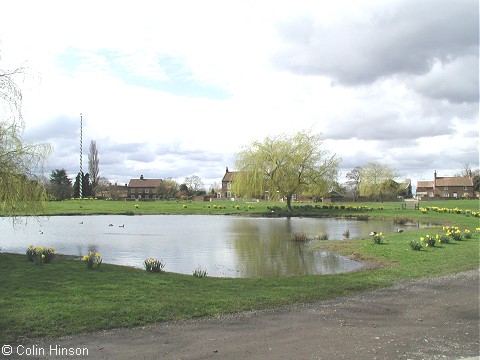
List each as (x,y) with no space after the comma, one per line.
(224,246)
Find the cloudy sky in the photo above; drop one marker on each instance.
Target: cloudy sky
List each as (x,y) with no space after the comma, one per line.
(176,88)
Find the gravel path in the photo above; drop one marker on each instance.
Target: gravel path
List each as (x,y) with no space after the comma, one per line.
(436,318)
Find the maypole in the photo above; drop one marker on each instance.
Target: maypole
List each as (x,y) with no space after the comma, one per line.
(81,149)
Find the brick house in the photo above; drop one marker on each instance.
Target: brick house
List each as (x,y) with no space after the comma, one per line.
(446,187)
(140,189)
(226,190)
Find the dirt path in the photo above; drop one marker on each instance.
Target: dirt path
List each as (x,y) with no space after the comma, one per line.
(434,318)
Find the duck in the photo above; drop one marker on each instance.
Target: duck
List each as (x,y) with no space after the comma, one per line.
(373,233)
(399,230)
(110,224)
(123,225)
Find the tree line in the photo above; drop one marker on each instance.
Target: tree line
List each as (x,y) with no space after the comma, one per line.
(60,187)
(281,167)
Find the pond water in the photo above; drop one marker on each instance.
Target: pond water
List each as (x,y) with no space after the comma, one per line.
(224,246)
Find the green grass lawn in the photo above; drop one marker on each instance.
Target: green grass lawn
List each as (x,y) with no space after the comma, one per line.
(63,297)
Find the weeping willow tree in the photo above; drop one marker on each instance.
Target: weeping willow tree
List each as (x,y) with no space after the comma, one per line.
(376,180)
(20,161)
(285,166)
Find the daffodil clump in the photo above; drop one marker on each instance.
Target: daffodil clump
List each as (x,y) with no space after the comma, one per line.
(347,207)
(92,260)
(451,233)
(378,238)
(153,265)
(454,232)
(40,255)
(456,210)
(428,240)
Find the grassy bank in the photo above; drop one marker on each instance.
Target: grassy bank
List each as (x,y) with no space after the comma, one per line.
(101,207)
(63,297)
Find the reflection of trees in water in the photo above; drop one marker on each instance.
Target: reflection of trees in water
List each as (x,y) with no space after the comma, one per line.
(265,249)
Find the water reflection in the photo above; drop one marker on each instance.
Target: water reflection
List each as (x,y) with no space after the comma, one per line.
(225,246)
(264,249)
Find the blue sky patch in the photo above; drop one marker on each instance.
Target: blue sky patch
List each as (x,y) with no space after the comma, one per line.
(163,72)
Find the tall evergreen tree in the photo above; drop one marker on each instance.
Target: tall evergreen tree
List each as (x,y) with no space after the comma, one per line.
(86,186)
(60,185)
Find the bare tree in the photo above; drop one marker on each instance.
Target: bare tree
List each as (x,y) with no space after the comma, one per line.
(194,184)
(466,171)
(354,181)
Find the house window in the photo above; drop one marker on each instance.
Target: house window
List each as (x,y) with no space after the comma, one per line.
(147,191)
(465,188)
(229,186)
(446,195)
(132,196)
(154,191)
(445,188)
(132,191)
(455,195)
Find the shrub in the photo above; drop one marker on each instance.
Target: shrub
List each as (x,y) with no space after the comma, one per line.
(153,265)
(467,234)
(362,217)
(323,236)
(92,260)
(199,272)
(300,236)
(401,220)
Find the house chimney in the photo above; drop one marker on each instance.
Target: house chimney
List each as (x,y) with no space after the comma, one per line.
(141,177)
(226,170)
